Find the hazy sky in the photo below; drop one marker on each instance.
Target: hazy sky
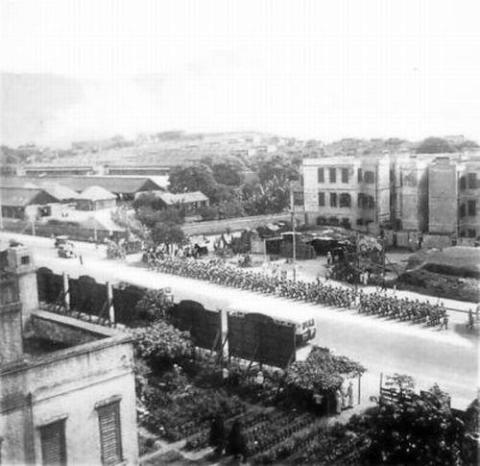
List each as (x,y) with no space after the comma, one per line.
(319,68)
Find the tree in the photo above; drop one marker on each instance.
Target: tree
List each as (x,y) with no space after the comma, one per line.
(465,145)
(229,172)
(161,343)
(321,371)
(414,429)
(167,233)
(149,217)
(197,177)
(153,305)
(231,208)
(267,198)
(434,145)
(149,200)
(208,212)
(222,192)
(277,167)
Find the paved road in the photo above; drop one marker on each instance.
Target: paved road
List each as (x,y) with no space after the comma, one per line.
(449,358)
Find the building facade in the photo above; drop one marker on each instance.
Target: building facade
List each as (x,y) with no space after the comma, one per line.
(67,392)
(410,192)
(469,199)
(27,203)
(347,191)
(435,194)
(442,197)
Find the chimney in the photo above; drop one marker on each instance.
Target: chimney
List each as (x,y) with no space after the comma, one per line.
(20,263)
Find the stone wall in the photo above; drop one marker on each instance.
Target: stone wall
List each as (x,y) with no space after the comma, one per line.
(68,384)
(62,329)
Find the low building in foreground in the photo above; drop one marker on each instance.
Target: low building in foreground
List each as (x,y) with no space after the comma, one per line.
(67,392)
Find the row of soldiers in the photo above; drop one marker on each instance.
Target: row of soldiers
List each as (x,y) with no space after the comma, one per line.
(318,292)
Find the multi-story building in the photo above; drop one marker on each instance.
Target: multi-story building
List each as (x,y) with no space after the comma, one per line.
(469,198)
(347,191)
(442,196)
(438,194)
(410,192)
(67,392)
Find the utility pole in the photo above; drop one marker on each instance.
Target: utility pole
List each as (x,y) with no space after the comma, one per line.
(357,262)
(294,242)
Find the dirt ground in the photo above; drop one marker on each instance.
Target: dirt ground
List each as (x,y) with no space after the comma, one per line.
(310,269)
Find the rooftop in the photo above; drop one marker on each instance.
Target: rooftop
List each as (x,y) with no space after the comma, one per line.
(182,198)
(116,184)
(21,197)
(96,193)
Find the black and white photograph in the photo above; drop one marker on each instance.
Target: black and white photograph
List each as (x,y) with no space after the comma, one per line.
(239,232)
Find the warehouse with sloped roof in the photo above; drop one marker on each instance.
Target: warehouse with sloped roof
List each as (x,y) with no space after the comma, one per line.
(26,203)
(96,198)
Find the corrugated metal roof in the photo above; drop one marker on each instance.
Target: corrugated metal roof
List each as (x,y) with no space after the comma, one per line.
(21,197)
(182,198)
(59,191)
(114,184)
(96,193)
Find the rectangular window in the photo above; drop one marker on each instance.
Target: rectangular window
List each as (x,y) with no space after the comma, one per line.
(360,200)
(471,233)
(344,175)
(463,183)
(462,210)
(359,175)
(472,208)
(472,181)
(345,200)
(321,199)
(110,433)
(333,175)
(333,199)
(52,437)
(369,177)
(321,175)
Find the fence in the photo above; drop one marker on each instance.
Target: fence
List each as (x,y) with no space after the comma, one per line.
(87,296)
(74,231)
(254,337)
(233,224)
(257,337)
(204,326)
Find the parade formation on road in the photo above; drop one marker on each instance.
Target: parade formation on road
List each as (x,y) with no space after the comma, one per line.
(216,271)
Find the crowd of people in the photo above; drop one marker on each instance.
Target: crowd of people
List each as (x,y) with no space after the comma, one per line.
(318,292)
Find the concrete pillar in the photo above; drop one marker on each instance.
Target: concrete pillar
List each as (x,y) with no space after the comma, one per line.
(11,341)
(111,309)
(66,292)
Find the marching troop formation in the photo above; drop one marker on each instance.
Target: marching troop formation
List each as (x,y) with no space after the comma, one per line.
(216,271)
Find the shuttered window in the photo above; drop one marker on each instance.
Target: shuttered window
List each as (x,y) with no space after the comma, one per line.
(320,175)
(333,175)
(110,433)
(321,199)
(54,450)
